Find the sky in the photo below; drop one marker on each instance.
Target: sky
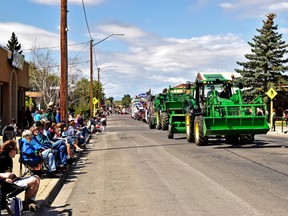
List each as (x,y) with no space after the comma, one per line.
(165,42)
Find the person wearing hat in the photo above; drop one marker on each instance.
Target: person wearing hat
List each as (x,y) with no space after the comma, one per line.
(58,146)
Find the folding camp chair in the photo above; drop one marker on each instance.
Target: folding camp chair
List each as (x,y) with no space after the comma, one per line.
(27,167)
(9,191)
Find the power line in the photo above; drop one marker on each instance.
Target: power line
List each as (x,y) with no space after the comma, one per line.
(86,19)
(75,63)
(88,29)
(55,47)
(80,51)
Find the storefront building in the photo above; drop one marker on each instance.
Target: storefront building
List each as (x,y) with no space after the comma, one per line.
(14,81)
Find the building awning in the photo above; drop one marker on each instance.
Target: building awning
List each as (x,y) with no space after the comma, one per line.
(34,94)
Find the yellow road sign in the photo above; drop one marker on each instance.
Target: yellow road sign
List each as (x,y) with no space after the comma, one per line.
(95,101)
(271,93)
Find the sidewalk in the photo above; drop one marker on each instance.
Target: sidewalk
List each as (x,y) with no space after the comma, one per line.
(279,130)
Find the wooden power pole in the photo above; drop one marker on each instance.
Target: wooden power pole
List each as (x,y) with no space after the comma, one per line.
(99,91)
(91,79)
(64,62)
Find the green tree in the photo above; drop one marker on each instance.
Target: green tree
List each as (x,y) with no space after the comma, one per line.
(126,100)
(266,62)
(78,96)
(111,99)
(13,44)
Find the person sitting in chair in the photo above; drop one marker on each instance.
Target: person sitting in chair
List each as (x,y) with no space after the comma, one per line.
(59,147)
(30,183)
(33,153)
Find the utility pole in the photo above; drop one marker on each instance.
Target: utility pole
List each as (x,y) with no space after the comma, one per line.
(91,78)
(91,73)
(99,92)
(64,62)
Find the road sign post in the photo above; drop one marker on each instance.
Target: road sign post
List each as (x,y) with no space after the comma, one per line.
(271,94)
(94,101)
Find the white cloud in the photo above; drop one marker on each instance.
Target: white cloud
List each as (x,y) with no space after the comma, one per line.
(57,2)
(255,8)
(28,36)
(154,62)
(226,5)
(280,6)
(31,36)
(283,30)
(148,62)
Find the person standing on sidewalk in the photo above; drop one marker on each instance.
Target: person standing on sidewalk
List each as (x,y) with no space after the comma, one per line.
(30,183)
(274,119)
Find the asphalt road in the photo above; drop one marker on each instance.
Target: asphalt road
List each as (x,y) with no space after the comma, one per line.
(134,171)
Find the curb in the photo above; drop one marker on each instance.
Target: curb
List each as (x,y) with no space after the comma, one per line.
(50,192)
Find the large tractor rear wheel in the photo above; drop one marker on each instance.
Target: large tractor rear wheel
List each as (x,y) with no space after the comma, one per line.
(165,121)
(247,139)
(189,131)
(170,133)
(199,137)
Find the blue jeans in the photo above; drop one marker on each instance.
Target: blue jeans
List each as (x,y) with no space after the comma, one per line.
(49,158)
(85,132)
(61,155)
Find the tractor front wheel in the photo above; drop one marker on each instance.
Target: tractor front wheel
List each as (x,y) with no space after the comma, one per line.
(199,137)
(165,121)
(170,133)
(189,133)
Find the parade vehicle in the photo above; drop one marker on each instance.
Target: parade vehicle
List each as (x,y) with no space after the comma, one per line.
(173,118)
(139,107)
(214,114)
(159,108)
(169,112)
(150,114)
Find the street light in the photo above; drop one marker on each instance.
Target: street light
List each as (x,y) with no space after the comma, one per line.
(91,68)
(99,93)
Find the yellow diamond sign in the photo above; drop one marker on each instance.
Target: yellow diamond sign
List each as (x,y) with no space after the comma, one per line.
(271,93)
(94,101)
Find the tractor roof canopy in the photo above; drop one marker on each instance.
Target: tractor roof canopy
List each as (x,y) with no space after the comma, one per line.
(211,77)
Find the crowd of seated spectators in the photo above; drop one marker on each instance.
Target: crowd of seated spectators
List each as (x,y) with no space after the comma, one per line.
(54,143)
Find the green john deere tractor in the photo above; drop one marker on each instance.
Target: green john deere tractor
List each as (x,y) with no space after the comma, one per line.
(217,109)
(158,108)
(174,111)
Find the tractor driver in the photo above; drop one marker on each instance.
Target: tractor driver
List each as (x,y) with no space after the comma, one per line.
(210,92)
(224,93)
